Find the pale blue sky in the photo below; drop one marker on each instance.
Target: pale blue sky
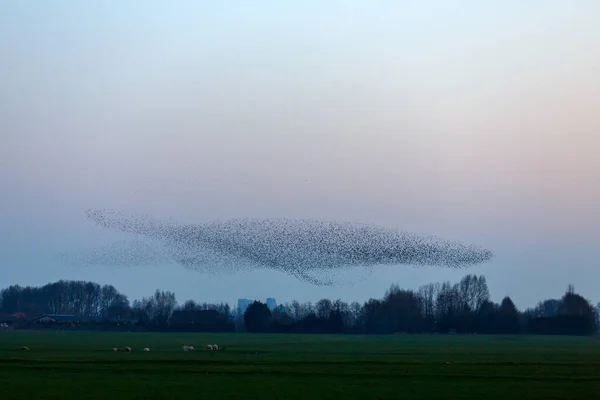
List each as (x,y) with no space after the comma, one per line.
(473,120)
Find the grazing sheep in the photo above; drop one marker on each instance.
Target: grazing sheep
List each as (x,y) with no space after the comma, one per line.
(191,348)
(215,347)
(210,347)
(128,349)
(25,348)
(146,349)
(115,349)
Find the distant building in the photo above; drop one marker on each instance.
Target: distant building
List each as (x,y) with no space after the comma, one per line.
(8,319)
(243,305)
(271,303)
(56,318)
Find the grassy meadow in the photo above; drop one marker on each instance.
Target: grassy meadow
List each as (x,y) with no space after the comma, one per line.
(82,365)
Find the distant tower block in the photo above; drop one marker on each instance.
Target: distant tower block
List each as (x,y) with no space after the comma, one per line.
(271,303)
(243,305)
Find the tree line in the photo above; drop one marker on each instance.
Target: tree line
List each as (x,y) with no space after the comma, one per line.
(463,307)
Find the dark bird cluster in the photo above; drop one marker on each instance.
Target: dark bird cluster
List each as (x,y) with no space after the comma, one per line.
(307,249)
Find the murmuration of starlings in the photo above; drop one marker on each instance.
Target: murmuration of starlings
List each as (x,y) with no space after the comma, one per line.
(309,250)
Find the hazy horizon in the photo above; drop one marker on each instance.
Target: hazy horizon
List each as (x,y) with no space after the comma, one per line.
(475,122)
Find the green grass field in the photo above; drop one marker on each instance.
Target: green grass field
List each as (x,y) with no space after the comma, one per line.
(80,365)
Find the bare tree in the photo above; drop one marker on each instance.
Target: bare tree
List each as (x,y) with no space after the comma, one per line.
(155,310)
(324,308)
(164,303)
(356,312)
(427,295)
(473,291)
(294,310)
(448,301)
(547,308)
(190,305)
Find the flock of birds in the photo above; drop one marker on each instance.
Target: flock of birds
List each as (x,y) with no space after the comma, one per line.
(309,250)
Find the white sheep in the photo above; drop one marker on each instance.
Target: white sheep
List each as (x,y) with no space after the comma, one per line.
(210,347)
(115,349)
(185,347)
(128,349)
(25,348)
(146,349)
(190,348)
(215,347)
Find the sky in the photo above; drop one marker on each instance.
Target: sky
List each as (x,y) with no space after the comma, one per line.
(474,121)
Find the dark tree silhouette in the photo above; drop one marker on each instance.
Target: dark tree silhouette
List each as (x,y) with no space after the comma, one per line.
(547,308)
(508,317)
(258,318)
(156,310)
(64,297)
(463,307)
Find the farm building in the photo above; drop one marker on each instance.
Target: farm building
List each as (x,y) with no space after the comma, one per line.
(60,319)
(10,320)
